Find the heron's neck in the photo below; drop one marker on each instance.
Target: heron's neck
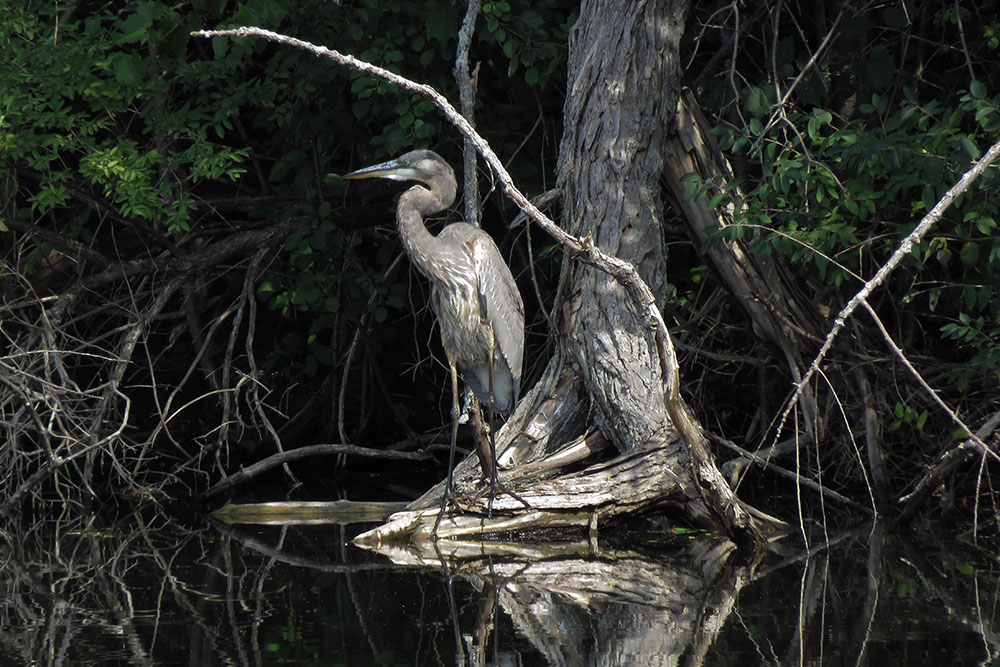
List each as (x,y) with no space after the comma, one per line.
(421,246)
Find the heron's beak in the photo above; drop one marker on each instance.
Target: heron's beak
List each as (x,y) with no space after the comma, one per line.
(392,169)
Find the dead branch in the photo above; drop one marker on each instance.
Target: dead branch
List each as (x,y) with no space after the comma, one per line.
(964,452)
(283,458)
(766,464)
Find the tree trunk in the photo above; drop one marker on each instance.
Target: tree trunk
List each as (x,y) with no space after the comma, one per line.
(622,99)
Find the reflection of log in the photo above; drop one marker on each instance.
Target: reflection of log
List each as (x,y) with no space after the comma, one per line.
(621,609)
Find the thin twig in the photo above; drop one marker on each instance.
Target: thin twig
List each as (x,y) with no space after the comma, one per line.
(926,387)
(258,403)
(961,36)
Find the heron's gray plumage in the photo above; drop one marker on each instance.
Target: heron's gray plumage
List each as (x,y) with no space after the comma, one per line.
(473,294)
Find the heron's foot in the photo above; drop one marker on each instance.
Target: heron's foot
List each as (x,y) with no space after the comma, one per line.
(495,488)
(448,497)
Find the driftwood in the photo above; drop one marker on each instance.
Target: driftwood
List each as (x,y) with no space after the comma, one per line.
(578,504)
(306,513)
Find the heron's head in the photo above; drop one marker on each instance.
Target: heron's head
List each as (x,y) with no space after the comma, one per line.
(423,166)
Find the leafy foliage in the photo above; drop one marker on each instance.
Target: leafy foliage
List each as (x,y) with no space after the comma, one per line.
(857,154)
(80,111)
(124,140)
(119,113)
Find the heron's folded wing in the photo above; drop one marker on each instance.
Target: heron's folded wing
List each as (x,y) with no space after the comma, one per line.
(500,301)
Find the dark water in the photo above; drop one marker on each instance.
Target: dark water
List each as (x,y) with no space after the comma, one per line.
(153,592)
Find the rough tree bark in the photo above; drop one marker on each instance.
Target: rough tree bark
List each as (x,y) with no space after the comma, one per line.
(622,99)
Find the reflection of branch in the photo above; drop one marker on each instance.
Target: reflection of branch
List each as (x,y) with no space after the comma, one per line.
(959,595)
(56,599)
(302,561)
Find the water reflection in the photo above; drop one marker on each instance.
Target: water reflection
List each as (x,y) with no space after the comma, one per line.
(152,591)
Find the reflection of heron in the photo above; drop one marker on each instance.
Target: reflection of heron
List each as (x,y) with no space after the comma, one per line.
(473,294)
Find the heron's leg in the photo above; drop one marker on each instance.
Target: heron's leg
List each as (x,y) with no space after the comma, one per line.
(456,413)
(492,439)
(484,445)
(486,449)
(491,442)
(452,607)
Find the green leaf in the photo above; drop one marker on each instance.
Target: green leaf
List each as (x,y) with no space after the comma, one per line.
(220,46)
(977,89)
(969,254)
(134,28)
(970,148)
(129,69)
(442,24)
(691,190)
(757,103)
(267,288)
(928,198)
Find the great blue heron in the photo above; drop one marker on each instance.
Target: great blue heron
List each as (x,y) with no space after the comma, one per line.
(473,293)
